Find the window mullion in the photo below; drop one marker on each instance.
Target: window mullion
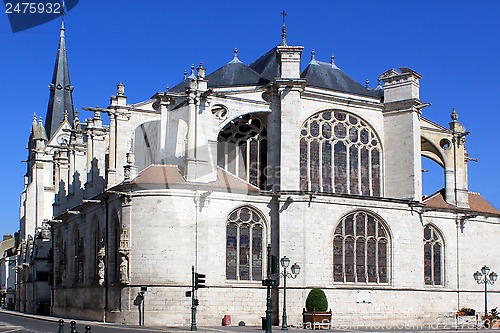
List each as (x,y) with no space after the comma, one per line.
(238,251)
(320,156)
(348,165)
(308,164)
(359,170)
(343,253)
(433,280)
(376,260)
(370,172)
(250,242)
(355,243)
(257,163)
(248,163)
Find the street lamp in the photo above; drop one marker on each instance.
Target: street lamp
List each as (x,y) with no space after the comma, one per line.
(285,262)
(485,277)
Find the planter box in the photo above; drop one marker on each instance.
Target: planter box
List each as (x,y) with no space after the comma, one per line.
(317,320)
(492,323)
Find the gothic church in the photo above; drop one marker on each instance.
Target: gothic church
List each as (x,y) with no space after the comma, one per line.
(206,174)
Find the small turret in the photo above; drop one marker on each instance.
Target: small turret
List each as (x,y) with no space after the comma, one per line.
(120,99)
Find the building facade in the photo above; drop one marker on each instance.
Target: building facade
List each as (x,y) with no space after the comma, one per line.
(206,174)
(8,271)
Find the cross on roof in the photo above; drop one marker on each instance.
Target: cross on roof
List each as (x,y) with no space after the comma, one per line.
(284,15)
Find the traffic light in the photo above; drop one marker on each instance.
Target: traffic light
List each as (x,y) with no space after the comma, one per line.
(199,281)
(196,302)
(269,282)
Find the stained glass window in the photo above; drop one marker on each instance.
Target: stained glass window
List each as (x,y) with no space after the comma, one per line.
(433,256)
(244,245)
(242,149)
(361,249)
(340,153)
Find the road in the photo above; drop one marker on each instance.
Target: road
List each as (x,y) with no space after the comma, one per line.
(12,323)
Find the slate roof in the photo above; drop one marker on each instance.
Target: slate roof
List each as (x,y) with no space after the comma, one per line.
(476,203)
(235,73)
(265,69)
(327,75)
(267,65)
(169,176)
(181,87)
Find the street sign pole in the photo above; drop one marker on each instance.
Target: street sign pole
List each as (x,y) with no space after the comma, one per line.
(269,302)
(193,297)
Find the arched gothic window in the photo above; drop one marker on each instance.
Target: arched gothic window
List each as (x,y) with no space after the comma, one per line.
(96,238)
(79,253)
(361,248)
(242,149)
(340,153)
(244,245)
(115,251)
(60,262)
(433,256)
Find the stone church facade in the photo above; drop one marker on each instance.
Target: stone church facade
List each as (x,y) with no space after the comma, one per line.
(209,172)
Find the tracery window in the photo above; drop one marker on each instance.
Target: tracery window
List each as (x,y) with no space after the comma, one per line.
(242,149)
(96,246)
(115,251)
(79,253)
(340,153)
(361,248)
(60,261)
(244,245)
(433,256)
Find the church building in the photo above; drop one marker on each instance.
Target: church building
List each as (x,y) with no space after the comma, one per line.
(209,172)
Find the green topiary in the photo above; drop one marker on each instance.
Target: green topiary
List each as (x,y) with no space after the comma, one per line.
(316,301)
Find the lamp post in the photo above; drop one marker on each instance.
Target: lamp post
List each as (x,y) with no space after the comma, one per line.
(485,277)
(285,262)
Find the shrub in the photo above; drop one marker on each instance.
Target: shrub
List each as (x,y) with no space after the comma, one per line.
(316,300)
(467,312)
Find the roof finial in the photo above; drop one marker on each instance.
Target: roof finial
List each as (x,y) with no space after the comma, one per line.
(235,59)
(185,75)
(63,13)
(283,30)
(192,76)
(454,115)
(201,71)
(313,54)
(34,117)
(332,59)
(120,89)
(167,88)
(367,83)
(65,114)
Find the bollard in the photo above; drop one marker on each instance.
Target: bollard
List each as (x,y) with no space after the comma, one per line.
(61,326)
(72,325)
(88,329)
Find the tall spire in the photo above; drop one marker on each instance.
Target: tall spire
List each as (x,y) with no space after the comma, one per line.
(61,99)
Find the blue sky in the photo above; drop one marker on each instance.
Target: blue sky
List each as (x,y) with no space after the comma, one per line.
(148,44)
